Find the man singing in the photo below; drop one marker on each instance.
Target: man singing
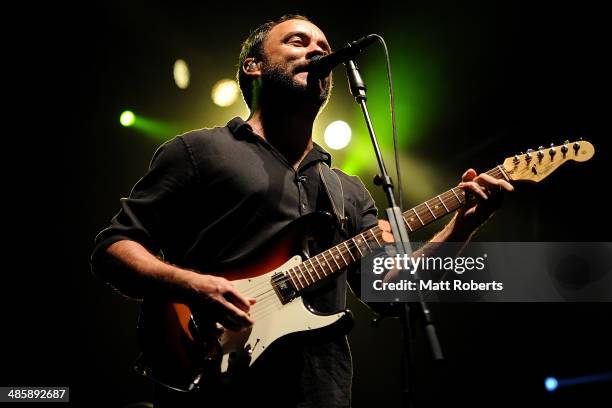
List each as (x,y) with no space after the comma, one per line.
(213,196)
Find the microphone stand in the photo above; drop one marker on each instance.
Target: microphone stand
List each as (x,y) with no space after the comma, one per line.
(400,234)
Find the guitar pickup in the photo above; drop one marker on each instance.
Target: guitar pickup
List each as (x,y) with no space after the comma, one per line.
(283,287)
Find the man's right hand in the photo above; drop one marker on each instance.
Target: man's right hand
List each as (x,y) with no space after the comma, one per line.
(142,272)
(217,297)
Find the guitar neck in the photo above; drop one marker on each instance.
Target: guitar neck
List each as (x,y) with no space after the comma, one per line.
(348,252)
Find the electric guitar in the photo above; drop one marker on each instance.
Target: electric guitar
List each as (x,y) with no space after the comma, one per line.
(183,350)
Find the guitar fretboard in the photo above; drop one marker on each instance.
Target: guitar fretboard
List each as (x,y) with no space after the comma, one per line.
(346,253)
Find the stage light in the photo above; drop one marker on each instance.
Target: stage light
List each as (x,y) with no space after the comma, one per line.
(337,135)
(225,92)
(551,384)
(127,118)
(181,74)
(149,126)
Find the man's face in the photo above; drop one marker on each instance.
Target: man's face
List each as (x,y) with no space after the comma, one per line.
(288,48)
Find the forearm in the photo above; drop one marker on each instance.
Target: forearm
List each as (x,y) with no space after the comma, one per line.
(135,272)
(447,234)
(448,242)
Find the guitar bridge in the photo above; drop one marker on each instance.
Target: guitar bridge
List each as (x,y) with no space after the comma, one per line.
(283,287)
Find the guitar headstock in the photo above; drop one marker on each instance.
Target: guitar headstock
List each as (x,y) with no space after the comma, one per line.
(535,166)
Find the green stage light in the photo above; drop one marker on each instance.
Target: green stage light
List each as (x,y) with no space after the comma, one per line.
(416,83)
(151,127)
(127,118)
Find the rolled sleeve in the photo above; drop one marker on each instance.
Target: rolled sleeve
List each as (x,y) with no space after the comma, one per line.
(369,212)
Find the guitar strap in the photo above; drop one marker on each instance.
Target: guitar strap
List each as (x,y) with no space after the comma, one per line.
(335,193)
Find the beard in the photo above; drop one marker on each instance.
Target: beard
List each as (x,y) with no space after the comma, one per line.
(279,87)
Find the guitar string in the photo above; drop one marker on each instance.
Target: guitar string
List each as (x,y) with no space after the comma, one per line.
(423,214)
(266,302)
(265,312)
(264,307)
(374,231)
(261,309)
(269,303)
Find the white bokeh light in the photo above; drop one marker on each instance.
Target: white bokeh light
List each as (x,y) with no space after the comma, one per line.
(181,74)
(337,135)
(225,92)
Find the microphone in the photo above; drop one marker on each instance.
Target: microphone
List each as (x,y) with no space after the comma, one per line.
(321,66)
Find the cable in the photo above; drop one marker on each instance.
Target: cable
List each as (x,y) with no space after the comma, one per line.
(400,195)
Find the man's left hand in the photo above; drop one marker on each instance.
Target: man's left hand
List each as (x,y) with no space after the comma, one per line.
(486,193)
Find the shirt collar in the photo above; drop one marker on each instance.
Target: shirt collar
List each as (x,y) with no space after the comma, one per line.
(240,129)
(322,154)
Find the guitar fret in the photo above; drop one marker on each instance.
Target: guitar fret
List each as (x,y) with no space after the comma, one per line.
(433,215)
(415,213)
(334,258)
(407,223)
(309,270)
(331,270)
(298,276)
(357,246)
(458,199)
(342,256)
(349,251)
(366,241)
(290,274)
(374,235)
(316,258)
(445,207)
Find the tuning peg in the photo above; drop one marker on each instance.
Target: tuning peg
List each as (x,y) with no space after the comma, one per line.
(564,149)
(516,160)
(528,155)
(552,151)
(576,147)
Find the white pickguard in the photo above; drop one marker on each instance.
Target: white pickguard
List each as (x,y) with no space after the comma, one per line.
(273,320)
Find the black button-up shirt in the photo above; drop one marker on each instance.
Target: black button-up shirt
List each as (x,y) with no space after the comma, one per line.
(212,196)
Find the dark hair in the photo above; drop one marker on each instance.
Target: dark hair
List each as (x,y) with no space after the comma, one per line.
(252,47)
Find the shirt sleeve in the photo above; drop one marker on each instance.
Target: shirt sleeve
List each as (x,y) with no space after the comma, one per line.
(152,212)
(369,212)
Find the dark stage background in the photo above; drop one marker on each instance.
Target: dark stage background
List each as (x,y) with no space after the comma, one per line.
(508,76)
